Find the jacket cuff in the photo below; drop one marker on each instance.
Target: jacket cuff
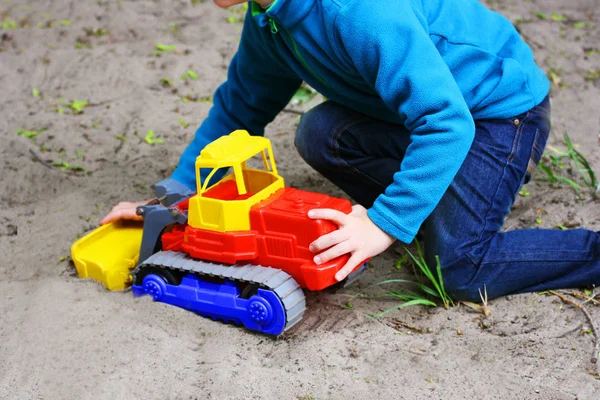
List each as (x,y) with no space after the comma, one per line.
(172,191)
(386,224)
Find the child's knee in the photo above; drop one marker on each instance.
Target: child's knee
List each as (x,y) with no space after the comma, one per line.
(311,139)
(458,277)
(465,293)
(464,281)
(455,281)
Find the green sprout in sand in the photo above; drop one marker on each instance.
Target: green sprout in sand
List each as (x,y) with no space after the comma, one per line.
(149,138)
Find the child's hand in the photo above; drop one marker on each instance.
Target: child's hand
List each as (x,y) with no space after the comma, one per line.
(123,210)
(357,235)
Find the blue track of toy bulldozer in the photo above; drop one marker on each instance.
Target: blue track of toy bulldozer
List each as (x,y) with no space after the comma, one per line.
(214,290)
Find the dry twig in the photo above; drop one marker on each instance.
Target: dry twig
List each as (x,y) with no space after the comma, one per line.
(397,323)
(594,329)
(36,157)
(588,299)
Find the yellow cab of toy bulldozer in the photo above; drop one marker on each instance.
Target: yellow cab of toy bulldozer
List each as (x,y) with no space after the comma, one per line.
(252,185)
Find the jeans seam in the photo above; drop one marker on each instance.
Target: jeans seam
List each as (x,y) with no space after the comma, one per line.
(511,157)
(538,111)
(335,149)
(517,141)
(535,149)
(539,108)
(476,265)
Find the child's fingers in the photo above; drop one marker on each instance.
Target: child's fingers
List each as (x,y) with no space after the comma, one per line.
(328,240)
(123,210)
(335,251)
(120,214)
(329,214)
(353,261)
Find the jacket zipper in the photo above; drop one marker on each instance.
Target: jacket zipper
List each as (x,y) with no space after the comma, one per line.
(274,30)
(273,26)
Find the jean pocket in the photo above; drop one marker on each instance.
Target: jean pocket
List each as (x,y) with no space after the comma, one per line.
(537,149)
(517,119)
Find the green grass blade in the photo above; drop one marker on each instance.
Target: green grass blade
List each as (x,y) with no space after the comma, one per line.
(396,281)
(421,286)
(573,155)
(428,273)
(445,298)
(403,296)
(422,302)
(421,264)
(550,177)
(576,186)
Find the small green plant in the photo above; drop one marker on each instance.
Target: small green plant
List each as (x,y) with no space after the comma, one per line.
(63,165)
(78,105)
(552,167)
(58,106)
(235,19)
(554,17)
(82,43)
(172,27)
(401,262)
(149,138)
(580,24)
(524,193)
(303,95)
(165,47)
(431,285)
(237,14)
(183,123)
(591,51)
(96,32)
(30,134)
(193,98)
(592,75)
(166,82)
(555,76)
(161,49)
(189,74)
(8,25)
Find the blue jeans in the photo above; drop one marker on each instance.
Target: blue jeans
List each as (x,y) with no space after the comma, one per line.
(360,154)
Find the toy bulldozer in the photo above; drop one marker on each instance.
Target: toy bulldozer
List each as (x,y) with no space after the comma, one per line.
(236,250)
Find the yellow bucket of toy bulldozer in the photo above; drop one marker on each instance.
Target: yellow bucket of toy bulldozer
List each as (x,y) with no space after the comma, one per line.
(108,253)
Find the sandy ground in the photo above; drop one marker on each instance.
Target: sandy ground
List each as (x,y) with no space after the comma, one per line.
(66,338)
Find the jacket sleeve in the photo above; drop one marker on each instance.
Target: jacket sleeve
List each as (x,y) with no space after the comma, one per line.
(393,52)
(259,85)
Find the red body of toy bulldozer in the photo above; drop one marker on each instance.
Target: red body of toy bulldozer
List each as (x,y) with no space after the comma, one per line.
(280,235)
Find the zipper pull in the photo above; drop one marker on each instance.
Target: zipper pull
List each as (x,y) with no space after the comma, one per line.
(273,26)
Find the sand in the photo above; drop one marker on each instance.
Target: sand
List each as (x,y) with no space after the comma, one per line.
(66,338)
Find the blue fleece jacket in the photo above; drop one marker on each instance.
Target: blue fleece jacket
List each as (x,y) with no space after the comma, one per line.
(432,65)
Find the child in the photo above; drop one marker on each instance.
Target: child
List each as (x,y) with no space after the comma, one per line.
(437,115)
